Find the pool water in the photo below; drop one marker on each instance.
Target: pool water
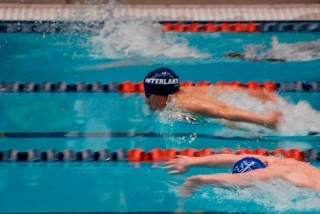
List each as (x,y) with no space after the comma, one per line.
(194,56)
(81,121)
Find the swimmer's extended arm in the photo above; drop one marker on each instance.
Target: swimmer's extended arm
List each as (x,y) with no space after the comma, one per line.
(208,108)
(259,93)
(225,180)
(182,163)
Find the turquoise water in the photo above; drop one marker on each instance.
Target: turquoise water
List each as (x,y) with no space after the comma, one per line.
(196,57)
(114,187)
(125,187)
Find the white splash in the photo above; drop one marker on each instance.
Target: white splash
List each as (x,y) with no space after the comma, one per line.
(123,36)
(275,196)
(297,119)
(298,51)
(140,38)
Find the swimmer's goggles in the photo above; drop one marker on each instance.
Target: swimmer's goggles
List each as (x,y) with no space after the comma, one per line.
(148,95)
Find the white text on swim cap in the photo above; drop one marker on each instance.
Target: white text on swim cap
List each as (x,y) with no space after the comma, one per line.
(244,166)
(162,81)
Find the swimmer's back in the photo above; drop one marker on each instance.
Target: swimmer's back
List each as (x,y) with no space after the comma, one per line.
(300,173)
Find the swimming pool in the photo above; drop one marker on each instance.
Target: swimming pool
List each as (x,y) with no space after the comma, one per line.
(116,121)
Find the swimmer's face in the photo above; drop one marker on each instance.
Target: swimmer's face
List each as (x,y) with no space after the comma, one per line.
(156,102)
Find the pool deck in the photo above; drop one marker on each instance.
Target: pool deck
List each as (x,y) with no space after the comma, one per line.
(164,12)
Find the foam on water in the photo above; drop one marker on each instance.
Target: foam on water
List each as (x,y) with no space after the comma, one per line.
(298,51)
(126,37)
(275,196)
(297,119)
(140,38)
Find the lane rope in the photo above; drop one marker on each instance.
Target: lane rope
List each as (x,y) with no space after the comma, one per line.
(168,26)
(240,27)
(139,155)
(137,87)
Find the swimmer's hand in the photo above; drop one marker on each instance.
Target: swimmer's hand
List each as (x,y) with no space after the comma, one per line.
(191,184)
(272,119)
(180,164)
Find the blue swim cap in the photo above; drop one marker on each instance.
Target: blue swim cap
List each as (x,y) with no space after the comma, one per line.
(161,81)
(247,164)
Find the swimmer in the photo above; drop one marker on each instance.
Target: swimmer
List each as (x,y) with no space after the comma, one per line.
(162,86)
(247,169)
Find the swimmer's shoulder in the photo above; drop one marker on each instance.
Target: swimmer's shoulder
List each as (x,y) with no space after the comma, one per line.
(285,162)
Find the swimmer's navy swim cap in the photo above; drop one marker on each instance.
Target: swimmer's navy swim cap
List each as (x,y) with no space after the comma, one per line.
(247,164)
(161,81)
